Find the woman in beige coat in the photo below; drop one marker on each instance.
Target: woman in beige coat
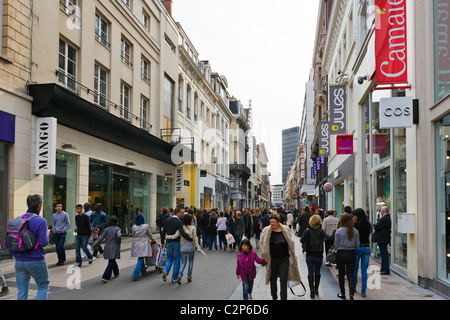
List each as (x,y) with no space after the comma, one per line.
(278,250)
(141,246)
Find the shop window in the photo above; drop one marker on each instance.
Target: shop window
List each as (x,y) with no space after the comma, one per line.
(62,188)
(164,192)
(443,197)
(4,193)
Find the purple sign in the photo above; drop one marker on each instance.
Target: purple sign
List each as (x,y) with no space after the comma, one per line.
(7,127)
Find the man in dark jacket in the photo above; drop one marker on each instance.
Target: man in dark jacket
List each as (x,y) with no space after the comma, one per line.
(83,234)
(382,236)
(173,229)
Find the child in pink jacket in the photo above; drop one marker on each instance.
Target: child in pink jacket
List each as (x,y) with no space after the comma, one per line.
(246,269)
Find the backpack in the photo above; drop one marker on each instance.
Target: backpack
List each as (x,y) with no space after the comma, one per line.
(18,236)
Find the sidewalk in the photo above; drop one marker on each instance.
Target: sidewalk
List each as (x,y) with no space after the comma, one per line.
(392,287)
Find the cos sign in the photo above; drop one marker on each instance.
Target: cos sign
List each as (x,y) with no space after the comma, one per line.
(396,112)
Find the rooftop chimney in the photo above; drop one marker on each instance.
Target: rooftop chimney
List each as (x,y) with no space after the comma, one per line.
(168,5)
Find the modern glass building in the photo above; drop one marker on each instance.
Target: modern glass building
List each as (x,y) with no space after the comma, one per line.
(290,148)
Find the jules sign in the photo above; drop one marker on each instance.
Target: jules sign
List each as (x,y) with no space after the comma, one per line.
(396,112)
(323,128)
(337,109)
(46,145)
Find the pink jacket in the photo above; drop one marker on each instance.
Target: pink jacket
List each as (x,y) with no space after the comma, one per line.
(246,264)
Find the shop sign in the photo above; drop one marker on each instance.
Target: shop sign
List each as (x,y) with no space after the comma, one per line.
(344,144)
(324,138)
(391,42)
(7,127)
(337,109)
(379,143)
(45,145)
(179,180)
(396,112)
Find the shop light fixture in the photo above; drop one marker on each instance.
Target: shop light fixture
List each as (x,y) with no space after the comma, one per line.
(130,163)
(68,146)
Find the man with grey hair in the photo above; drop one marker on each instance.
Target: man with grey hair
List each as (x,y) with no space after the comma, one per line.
(382,236)
(31,263)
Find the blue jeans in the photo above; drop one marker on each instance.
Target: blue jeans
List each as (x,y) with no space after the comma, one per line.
(173,257)
(110,268)
(140,268)
(36,269)
(184,258)
(60,238)
(363,255)
(81,242)
(212,239)
(314,264)
(247,287)
(384,257)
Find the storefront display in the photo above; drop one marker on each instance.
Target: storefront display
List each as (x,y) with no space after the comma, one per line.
(443,198)
(62,188)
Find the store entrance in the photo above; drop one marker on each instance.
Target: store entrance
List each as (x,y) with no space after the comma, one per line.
(120,201)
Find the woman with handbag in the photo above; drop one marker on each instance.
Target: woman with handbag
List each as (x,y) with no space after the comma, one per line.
(312,240)
(278,250)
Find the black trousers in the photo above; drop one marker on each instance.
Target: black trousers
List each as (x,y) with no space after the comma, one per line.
(279,268)
(346,261)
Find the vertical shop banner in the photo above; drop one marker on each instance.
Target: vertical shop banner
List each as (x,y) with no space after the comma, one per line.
(45,146)
(391,42)
(442,47)
(179,180)
(323,128)
(344,144)
(302,153)
(338,109)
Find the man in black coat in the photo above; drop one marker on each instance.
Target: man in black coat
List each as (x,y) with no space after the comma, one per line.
(382,236)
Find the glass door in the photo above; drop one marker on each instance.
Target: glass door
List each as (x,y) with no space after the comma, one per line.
(120,202)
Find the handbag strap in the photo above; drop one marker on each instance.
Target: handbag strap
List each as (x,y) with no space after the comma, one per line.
(299,295)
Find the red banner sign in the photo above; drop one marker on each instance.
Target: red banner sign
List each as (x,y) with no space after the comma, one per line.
(391,42)
(344,144)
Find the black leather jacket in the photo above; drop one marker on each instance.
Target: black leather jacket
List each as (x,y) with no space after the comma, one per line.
(313,241)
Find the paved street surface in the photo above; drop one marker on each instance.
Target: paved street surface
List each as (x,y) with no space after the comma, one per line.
(213,279)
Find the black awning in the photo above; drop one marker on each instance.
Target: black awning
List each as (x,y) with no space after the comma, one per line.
(52,100)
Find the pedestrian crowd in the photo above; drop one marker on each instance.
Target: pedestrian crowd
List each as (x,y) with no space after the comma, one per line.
(345,241)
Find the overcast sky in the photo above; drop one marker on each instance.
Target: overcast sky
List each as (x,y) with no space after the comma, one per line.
(264,48)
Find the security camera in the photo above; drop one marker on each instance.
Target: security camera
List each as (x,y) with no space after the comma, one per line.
(361,79)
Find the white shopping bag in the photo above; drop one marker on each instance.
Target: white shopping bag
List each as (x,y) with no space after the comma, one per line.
(230,239)
(83,255)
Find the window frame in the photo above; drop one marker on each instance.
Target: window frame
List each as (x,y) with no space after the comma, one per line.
(125,101)
(98,30)
(125,56)
(64,71)
(98,95)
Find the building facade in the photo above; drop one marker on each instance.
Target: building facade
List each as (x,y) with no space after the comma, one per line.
(203,121)
(100,71)
(403,167)
(289,149)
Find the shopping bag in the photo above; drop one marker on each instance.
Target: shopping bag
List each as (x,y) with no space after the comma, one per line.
(161,258)
(230,239)
(151,261)
(331,256)
(293,284)
(83,255)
